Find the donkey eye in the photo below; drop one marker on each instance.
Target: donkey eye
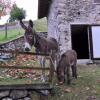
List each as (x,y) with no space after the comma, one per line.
(30,36)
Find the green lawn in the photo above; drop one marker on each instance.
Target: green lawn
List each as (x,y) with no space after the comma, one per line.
(11,34)
(40,26)
(86,87)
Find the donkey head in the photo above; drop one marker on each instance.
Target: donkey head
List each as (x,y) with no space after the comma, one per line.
(29,36)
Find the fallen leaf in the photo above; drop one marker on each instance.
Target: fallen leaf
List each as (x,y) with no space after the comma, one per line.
(93,86)
(35,79)
(91,98)
(68,90)
(87,88)
(79,76)
(57,84)
(62,95)
(98,81)
(93,91)
(76,95)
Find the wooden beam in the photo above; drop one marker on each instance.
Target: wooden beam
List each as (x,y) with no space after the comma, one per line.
(23,67)
(27,53)
(36,86)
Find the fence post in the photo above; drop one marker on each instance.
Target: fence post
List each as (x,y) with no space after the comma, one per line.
(6,31)
(51,70)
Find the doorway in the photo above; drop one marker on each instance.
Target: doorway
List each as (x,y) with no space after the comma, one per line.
(79,39)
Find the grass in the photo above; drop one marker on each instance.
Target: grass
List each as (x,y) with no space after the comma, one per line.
(86,87)
(7,81)
(40,26)
(11,34)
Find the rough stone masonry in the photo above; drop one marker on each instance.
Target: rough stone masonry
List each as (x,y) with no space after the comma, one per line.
(63,13)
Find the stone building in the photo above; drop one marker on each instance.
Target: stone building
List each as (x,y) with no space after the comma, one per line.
(70,22)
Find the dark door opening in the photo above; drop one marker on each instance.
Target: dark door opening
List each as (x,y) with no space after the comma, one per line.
(43,8)
(79,38)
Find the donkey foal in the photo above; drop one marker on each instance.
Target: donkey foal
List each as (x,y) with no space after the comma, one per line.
(68,60)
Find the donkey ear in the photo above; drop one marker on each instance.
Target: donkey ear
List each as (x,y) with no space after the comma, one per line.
(31,23)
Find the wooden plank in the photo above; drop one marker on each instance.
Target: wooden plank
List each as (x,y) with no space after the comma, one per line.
(23,67)
(36,86)
(51,71)
(27,53)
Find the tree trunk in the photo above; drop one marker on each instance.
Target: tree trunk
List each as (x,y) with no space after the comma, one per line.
(57,24)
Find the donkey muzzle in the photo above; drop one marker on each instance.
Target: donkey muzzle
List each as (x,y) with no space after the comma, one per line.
(27,49)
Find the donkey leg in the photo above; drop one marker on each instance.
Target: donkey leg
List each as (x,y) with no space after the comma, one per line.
(42,64)
(55,65)
(74,71)
(68,74)
(43,76)
(60,76)
(54,59)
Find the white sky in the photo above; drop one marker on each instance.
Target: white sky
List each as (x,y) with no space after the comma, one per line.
(30,6)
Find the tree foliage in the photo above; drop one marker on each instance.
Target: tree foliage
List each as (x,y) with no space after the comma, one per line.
(17,13)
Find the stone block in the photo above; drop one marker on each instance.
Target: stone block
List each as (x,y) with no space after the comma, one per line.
(4,94)
(16,94)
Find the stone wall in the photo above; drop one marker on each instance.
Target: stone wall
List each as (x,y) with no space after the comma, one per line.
(16,94)
(13,45)
(18,44)
(63,13)
(57,24)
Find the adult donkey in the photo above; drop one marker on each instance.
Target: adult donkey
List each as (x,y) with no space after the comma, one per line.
(43,45)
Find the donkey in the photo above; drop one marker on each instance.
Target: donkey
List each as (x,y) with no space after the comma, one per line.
(68,60)
(43,45)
